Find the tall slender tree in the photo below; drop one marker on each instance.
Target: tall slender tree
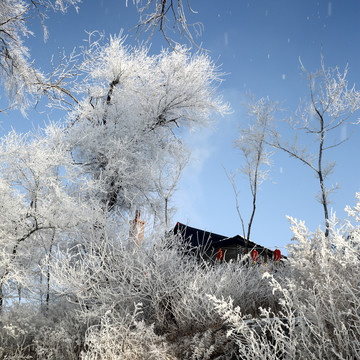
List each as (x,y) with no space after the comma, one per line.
(255,153)
(331,104)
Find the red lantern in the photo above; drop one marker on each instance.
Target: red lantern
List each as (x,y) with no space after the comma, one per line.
(254,255)
(277,255)
(220,254)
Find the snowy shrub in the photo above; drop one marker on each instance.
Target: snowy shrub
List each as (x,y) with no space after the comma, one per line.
(124,338)
(319,300)
(111,276)
(210,344)
(29,334)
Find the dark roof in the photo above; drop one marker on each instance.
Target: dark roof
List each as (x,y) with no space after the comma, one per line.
(196,237)
(200,238)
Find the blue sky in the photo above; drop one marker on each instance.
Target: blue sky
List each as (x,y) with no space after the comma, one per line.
(258,44)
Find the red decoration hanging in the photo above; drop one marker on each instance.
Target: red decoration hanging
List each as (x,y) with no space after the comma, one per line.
(277,255)
(220,254)
(254,255)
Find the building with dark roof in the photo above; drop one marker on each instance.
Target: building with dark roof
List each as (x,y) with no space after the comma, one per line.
(214,246)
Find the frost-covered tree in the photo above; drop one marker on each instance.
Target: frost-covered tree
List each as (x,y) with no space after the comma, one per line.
(110,150)
(133,104)
(24,83)
(38,202)
(166,176)
(254,149)
(165,16)
(332,103)
(18,75)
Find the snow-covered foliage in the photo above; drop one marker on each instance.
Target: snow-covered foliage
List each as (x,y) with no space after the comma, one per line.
(114,298)
(125,337)
(319,300)
(133,105)
(23,82)
(68,264)
(18,75)
(76,284)
(37,207)
(171,288)
(126,300)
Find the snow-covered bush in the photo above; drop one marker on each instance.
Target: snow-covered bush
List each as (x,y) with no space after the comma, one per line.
(110,277)
(319,300)
(125,337)
(27,333)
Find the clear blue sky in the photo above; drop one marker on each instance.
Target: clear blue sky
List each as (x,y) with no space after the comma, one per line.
(258,44)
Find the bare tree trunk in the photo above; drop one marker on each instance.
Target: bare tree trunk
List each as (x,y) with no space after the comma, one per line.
(166,213)
(48,280)
(41,284)
(19,294)
(321,177)
(1,299)
(254,188)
